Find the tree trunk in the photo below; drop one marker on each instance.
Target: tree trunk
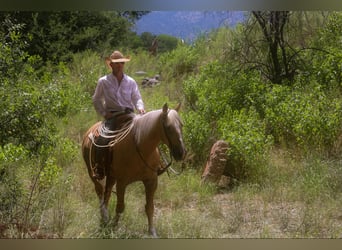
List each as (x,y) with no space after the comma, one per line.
(272,24)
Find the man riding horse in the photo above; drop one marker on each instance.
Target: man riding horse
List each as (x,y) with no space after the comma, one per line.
(115,98)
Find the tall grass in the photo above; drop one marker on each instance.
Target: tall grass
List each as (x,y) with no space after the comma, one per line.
(185,208)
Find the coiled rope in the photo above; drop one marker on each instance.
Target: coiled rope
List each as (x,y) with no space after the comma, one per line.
(116,136)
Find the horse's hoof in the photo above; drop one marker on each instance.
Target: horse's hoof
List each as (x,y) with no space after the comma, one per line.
(153,233)
(116,219)
(104,215)
(104,223)
(105,220)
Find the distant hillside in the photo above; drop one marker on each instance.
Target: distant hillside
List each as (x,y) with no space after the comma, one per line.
(186,25)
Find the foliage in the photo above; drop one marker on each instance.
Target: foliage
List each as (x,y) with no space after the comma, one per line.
(197,134)
(10,186)
(55,36)
(12,50)
(326,64)
(274,42)
(227,102)
(147,39)
(304,117)
(49,174)
(222,106)
(249,145)
(226,109)
(29,120)
(83,73)
(178,62)
(32,103)
(166,43)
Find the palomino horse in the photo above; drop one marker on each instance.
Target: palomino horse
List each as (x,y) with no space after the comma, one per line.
(136,158)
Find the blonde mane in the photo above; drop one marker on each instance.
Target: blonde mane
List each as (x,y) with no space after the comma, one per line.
(153,118)
(146,123)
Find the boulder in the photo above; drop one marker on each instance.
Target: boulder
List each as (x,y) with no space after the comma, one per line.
(216,162)
(149,82)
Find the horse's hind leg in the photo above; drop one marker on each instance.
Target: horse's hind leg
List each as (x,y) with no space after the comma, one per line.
(150,188)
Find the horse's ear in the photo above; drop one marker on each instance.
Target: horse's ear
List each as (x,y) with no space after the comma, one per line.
(178,107)
(165,108)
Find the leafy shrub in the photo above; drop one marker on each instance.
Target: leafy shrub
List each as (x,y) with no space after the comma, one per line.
(166,43)
(29,120)
(218,87)
(310,119)
(66,151)
(11,189)
(197,134)
(326,64)
(31,100)
(216,93)
(249,145)
(179,61)
(33,103)
(50,173)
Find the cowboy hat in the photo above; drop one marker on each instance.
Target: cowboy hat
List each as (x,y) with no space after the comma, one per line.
(116,57)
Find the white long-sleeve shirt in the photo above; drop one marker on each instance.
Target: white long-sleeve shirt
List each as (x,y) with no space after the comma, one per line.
(111,96)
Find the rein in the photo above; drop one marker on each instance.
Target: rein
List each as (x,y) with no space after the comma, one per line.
(159,171)
(162,170)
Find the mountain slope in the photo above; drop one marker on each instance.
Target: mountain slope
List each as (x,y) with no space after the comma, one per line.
(186,25)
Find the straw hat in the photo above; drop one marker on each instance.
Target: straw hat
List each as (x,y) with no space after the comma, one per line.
(116,57)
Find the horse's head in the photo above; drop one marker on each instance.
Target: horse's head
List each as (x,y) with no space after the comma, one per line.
(172,126)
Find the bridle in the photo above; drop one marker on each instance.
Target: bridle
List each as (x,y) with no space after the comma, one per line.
(162,170)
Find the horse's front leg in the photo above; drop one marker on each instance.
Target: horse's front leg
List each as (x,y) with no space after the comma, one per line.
(110,181)
(150,188)
(120,202)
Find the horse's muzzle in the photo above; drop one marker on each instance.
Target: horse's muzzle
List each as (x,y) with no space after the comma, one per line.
(178,153)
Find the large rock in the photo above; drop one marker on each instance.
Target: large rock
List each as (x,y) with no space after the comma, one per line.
(216,163)
(150,82)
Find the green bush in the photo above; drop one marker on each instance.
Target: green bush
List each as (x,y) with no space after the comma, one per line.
(32,152)
(31,99)
(304,117)
(214,94)
(50,173)
(180,61)
(249,145)
(197,132)
(30,119)
(166,43)
(218,87)
(326,62)
(11,187)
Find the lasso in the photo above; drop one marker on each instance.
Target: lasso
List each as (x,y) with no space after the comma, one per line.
(116,136)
